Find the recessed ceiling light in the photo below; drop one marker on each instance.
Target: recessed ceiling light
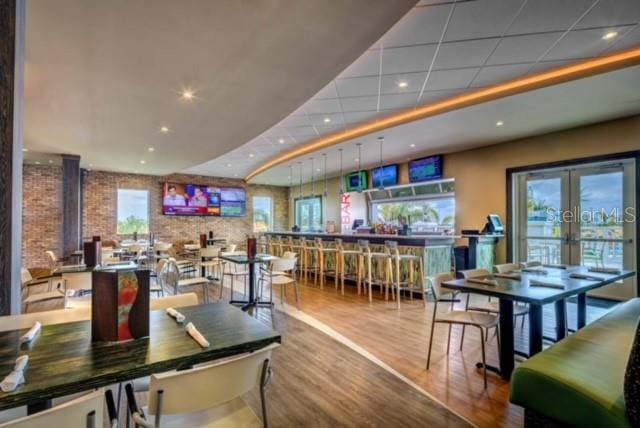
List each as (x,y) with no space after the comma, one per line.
(356,160)
(403,84)
(187,95)
(25,149)
(50,161)
(164,129)
(151,149)
(229,165)
(251,155)
(235,175)
(412,145)
(499,123)
(142,162)
(610,35)
(37,163)
(90,165)
(281,141)
(327,119)
(318,169)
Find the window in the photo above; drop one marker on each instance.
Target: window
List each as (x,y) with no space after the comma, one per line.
(422,215)
(308,213)
(133,211)
(262,214)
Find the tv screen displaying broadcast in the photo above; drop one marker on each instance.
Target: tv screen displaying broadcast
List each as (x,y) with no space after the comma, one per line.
(198,200)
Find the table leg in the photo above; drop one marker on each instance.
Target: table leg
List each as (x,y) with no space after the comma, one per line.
(582,310)
(561,319)
(506,338)
(39,406)
(535,329)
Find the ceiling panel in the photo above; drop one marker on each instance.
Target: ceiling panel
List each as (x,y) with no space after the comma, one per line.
(407,59)
(519,49)
(328,91)
(321,119)
(421,25)
(472,53)
(450,79)
(481,19)
(297,120)
(367,65)
(581,44)
(548,15)
(301,131)
(391,84)
(492,75)
(323,106)
(357,86)
(359,103)
(611,13)
(398,101)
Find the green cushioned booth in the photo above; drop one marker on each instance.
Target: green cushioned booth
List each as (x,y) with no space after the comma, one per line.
(579,381)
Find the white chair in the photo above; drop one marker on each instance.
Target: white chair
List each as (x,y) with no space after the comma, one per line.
(57,316)
(50,294)
(190,398)
(483,321)
(170,277)
(157,286)
(53,260)
(177,301)
(282,272)
(506,267)
(84,411)
(209,261)
(75,285)
(235,272)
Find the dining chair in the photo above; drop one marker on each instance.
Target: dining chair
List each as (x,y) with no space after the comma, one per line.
(177,301)
(483,321)
(206,394)
(56,316)
(209,260)
(75,285)
(170,277)
(235,271)
(282,272)
(30,298)
(84,411)
(156,285)
(506,267)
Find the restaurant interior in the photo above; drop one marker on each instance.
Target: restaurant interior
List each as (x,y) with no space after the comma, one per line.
(319,213)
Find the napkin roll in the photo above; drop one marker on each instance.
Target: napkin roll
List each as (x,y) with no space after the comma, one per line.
(196,335)
(175,314)
(33,331)
(16,377)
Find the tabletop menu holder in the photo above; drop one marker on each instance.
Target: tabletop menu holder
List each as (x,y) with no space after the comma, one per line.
(119,304)
(92,252)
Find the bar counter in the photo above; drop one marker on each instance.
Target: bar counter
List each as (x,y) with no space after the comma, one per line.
(436,250)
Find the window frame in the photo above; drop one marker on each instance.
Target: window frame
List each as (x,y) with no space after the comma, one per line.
(271,222)
(148,210)
(295,210)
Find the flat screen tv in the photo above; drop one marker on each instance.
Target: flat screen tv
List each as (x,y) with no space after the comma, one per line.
(425,169)
(385,176)
(197,200)
(357,181)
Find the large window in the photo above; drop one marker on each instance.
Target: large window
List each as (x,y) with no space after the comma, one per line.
(133,211)
(308,213)
(262,214)
(422,215)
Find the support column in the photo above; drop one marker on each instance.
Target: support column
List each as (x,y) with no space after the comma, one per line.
(70,204)
(12,26)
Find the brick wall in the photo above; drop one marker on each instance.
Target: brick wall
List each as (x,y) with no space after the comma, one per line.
(42,217)
(41,213)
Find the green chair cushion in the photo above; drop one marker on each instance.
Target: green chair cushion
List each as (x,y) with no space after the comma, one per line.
(579,381)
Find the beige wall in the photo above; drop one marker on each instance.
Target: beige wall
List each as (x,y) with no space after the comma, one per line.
(480,174)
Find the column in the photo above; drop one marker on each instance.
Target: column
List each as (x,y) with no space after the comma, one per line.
(70,204)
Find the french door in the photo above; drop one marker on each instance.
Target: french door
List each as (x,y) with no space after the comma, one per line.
(582,215)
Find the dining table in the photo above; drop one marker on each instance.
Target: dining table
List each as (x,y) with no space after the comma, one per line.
(252,263)
(536,287)
(63,359)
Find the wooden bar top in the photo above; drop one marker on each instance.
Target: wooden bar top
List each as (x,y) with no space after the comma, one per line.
(63,360)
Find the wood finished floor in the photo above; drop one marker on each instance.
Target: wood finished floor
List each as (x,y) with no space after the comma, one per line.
(321,383)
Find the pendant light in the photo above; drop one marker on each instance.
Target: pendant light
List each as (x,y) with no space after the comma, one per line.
(341,178)
(291,181)
(359,168)
(381,187)
(325,193)
(313,179)
(300,165)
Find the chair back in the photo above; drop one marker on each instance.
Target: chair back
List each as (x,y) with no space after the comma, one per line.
(85,411)
(391,248)
(210,252)
(436,283)
(506,267)
(77,281)
(474,273)
(162,246)
(161,264)
(202,388)
(231,248)
(289,255)
(57,316)
(284,264)
(177,301)
(170,274)
(25,276)
(534,263)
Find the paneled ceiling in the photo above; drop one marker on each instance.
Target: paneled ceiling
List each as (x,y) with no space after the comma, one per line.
(105,79)
(443,48)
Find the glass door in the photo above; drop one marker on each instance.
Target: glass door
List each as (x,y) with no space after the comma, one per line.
(543,198)
(602,234)
(583,215)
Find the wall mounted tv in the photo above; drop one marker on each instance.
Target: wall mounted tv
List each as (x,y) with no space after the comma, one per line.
(357,181)
(385,176)
(425,169)
(197,200)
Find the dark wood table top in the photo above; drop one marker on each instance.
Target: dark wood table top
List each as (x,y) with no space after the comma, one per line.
(522,291)
(63,360)
(244,260)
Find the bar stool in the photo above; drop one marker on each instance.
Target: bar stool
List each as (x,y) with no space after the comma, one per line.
(341,266)
(293,247)
(309,260)
(323,257)
(395,261)
(366,269)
